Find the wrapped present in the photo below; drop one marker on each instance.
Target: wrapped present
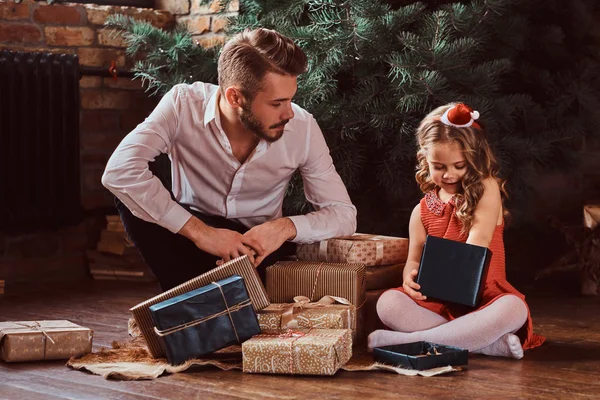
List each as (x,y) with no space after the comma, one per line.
(329,312)
(385,276)
(358,248)
(239,266)
(205,320)
(288,279)
(298,352)
(43,340)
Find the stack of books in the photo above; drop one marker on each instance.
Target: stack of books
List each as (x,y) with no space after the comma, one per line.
(116,257)
(114,240)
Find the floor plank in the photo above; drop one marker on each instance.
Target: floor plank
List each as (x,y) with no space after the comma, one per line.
(567,366)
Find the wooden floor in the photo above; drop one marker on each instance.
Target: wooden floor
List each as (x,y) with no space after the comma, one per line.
(567,366)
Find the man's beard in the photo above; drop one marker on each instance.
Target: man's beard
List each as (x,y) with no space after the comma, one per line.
(255,126)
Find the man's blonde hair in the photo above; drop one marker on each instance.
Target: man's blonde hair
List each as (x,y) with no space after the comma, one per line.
(249,55)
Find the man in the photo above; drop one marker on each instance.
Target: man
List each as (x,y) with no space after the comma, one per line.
(233,150)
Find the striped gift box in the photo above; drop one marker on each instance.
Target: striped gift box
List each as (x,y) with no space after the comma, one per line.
(288,279)
(240,266)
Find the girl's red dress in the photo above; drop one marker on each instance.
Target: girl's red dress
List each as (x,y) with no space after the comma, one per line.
(439,219)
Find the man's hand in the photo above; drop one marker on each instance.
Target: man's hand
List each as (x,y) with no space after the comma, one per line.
(270,236)
(223,243)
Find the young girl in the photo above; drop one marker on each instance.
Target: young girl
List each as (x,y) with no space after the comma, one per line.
(463,201)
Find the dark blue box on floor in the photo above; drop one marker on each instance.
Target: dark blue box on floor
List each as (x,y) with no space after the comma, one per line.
(453,271)
(421,355)
(205,320)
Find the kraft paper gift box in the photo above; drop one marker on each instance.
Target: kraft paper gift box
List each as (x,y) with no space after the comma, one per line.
(453,271)
(43,340)
(288,279)
(301,352)
(239,266)
(358,248)
(205,320)
(328,313)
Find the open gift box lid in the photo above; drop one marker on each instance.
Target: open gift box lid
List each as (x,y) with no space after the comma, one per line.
(421,355)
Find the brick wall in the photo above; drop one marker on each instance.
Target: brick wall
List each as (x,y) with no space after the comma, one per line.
(109,110)
(202,21)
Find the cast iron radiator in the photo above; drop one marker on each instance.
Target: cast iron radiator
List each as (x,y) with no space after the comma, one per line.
(39,141)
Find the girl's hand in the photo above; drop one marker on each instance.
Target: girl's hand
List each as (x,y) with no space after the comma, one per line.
(411,287)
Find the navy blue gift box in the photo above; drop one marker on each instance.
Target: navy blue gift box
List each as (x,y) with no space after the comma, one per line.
(205,320)
(453,271)
(421,355)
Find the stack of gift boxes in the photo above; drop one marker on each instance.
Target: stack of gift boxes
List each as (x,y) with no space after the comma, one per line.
(305,321)
(384,258)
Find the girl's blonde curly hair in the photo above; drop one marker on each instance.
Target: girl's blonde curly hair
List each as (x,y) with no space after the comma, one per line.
(480,160)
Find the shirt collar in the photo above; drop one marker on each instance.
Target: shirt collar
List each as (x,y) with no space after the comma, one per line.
(437,206)
(212,113)
(211,110)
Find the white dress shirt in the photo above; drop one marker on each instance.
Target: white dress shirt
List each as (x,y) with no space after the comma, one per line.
(207,177)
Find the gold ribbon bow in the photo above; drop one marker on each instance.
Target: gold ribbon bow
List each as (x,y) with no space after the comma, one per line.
(288,319)
(290,333)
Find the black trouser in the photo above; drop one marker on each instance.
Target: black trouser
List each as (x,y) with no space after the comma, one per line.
(175,259)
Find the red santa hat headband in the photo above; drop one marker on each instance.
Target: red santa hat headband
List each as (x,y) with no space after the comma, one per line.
(461,116)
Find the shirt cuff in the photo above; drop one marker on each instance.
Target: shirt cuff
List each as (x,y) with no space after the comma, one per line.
(176,218)
(303,229)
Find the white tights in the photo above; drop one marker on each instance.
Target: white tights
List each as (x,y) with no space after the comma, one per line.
(487,331)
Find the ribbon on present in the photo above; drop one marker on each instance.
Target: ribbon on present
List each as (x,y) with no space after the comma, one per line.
(296,335)
(32,326)
(378,239)
(228,310)
(288,334)
(312,293)
(288,318)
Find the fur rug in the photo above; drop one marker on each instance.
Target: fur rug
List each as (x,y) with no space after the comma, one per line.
(131,360)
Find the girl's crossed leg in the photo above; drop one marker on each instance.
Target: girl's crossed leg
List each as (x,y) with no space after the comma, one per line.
(487,331)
